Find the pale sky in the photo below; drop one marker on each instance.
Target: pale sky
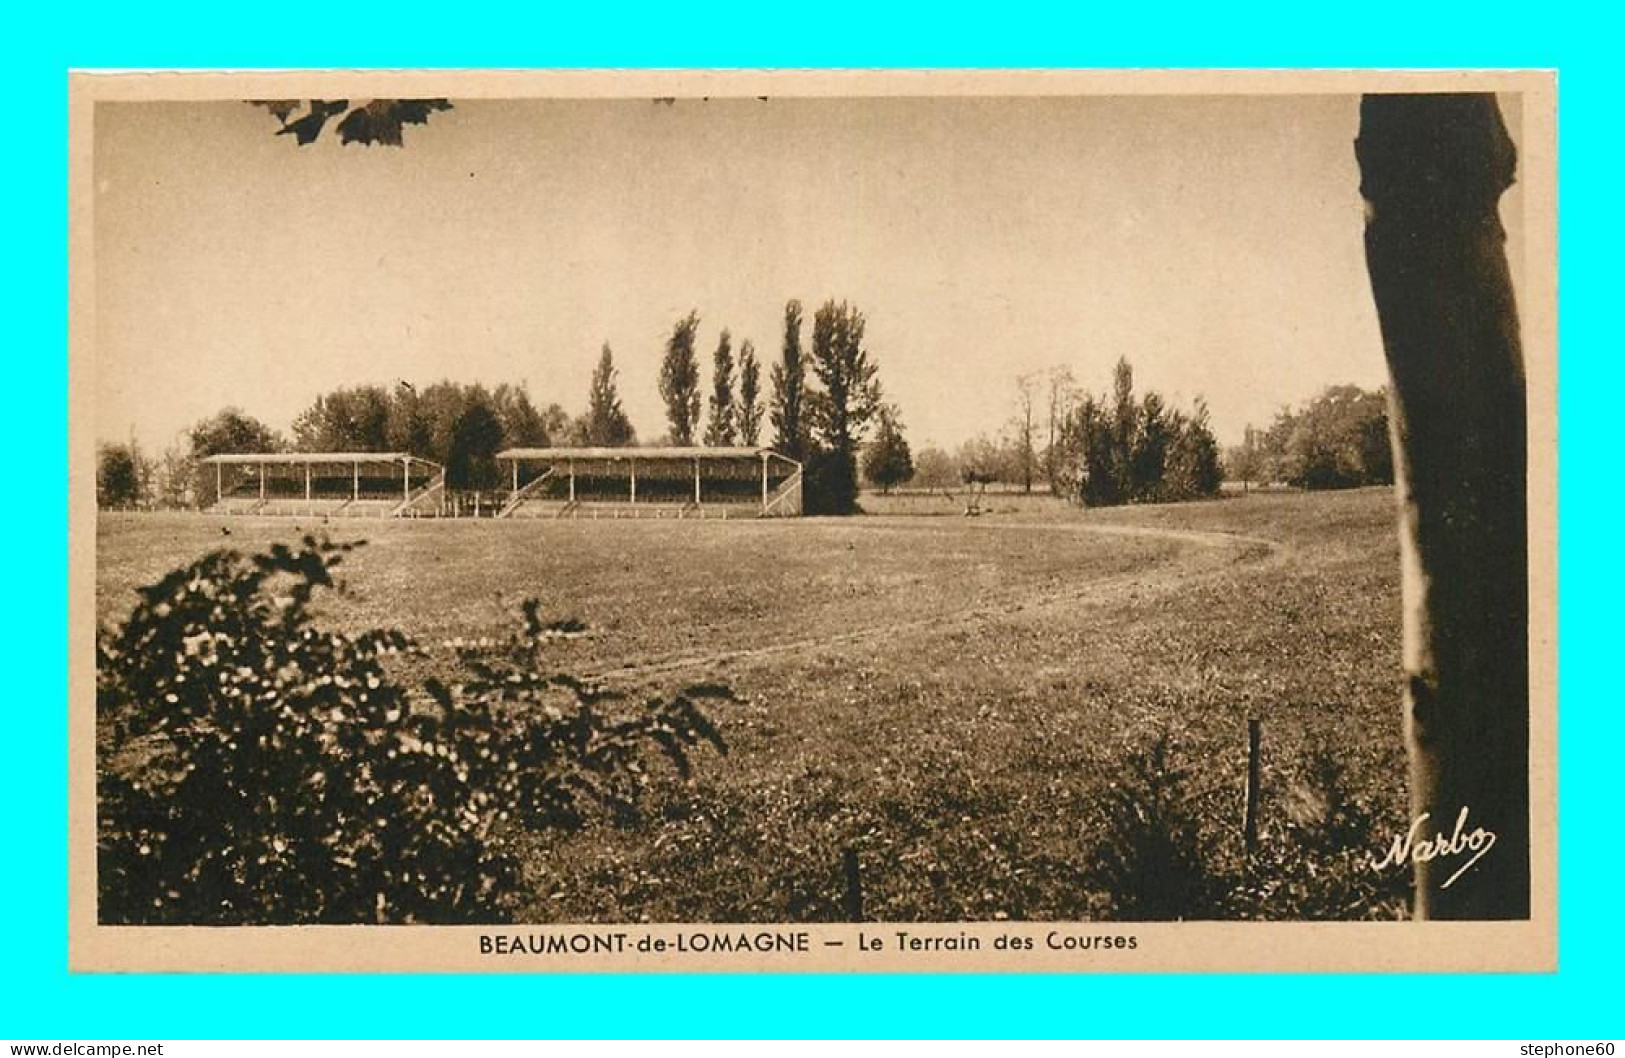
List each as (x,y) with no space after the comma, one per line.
(1215,242)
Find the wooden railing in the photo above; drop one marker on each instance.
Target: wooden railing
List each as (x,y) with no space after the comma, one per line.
(435,488)
(778,498)
(520,495)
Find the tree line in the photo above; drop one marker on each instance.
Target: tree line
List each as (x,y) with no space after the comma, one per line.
(824,399)
(1137,450)
(1103,450)
(1094,450)
(1339,439)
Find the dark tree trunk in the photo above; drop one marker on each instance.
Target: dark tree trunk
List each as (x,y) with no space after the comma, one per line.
(1433,168)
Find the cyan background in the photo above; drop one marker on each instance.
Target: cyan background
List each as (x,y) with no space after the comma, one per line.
(41,1000)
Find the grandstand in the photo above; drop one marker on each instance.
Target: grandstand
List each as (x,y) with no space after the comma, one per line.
(668,482)
(333,484)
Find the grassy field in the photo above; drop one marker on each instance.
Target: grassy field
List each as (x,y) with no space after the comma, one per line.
(954,699)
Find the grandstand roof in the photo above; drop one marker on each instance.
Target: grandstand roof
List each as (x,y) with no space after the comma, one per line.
(668,452)
(252,458)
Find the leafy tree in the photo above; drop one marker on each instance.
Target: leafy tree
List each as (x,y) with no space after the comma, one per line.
(1192,467)
(231,431)
(887,460)
(1025,427)
(380,121)
(266,770)
(1199,440)
(935,469)
(422,422)
(409,428)
(787,407)
(1076,444)
(1097,447)
(1063,395)
(1125,428)
(982,459)
(555,423)
(680,380)
(842,411)
(119,477)
(522,423)
(605,422)
(476,438)
(851,390)
(226,432)
(1150,444)
(1245,461)
(441,406)
(719,429)
(345,420)
(1123,449)
(750,395)
(829,483)
(175,479)
(1376,450)
(1337,440)
(576,431)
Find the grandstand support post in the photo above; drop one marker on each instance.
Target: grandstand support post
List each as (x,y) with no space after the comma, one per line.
(696,482)
(572,465)
(355,485)
(516,475)
(219,489)
(764,482)
(634,465)
(262,482)
(406,479)
(307,482)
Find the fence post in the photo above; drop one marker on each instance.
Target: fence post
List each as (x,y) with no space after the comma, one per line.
(1255,736)
(853,901)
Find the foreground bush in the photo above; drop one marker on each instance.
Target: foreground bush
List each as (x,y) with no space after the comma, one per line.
(1152,858)
(1320,865)
(1165,851)
(259,769)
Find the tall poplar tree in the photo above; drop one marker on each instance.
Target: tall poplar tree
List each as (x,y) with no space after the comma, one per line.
(680,380)
(843,409)
(719,427)
(606,422)
(749,408)
(786,408)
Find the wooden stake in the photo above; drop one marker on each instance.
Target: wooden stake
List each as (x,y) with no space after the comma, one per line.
(1255,736)
(853,901)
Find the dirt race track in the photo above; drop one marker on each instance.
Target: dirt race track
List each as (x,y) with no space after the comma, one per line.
(950,695)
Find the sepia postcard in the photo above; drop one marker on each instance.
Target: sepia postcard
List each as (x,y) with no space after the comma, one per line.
(931,521)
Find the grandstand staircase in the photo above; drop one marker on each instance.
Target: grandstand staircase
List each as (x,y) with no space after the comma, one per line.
(778,499)
(425,498)
(521,495)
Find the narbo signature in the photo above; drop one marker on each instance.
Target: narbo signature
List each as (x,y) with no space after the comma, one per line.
(1407,847)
